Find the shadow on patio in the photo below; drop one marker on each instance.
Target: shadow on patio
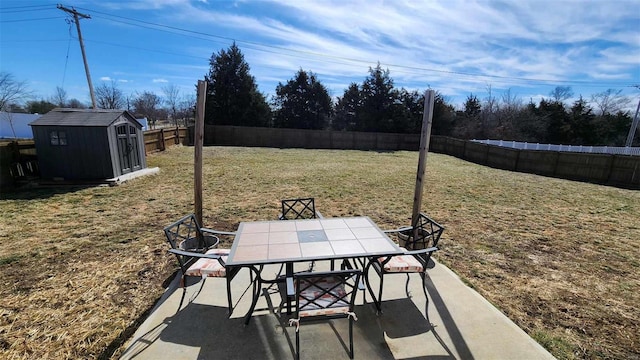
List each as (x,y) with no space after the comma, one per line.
(460,325)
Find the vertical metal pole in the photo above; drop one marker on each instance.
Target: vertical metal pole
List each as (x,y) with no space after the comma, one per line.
(632,130)
(425,136)
(198,142)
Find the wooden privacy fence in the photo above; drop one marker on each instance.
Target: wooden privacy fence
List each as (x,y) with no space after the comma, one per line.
(617,170)
(158,140)
(609,169)
(307,139)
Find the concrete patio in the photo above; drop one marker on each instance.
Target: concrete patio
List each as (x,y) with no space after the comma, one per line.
(460,324)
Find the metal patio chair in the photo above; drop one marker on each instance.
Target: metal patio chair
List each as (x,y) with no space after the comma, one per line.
(325,296)
(295,209)
(301,208)
(419,243)
(196,249)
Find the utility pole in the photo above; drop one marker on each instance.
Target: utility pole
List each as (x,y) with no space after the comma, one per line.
(76,16)
(634,125)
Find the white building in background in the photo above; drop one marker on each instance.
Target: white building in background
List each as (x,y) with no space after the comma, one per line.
(16,125)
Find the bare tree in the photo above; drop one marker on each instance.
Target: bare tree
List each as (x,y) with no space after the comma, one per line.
(8,116)
(11,91)
(76,104)
(146,104)
(109,96)
(507,114)
(561,93)
(59,98)
(610,101)
(488,114)
(171,98)
(187,107)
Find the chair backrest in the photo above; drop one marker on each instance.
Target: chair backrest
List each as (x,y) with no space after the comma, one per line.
(326,293)
(185,234)
(303,208)
(424,235)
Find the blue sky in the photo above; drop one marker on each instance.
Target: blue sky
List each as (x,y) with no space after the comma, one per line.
(525,47)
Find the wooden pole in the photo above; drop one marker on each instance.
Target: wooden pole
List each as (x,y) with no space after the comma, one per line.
(425,136)
(198,141)
(76,19)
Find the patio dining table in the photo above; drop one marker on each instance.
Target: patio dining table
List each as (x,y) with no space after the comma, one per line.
(259,243)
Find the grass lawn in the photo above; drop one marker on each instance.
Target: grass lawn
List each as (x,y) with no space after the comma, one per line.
(79,267)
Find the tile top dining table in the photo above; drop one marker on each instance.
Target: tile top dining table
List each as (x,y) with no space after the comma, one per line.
(285,241)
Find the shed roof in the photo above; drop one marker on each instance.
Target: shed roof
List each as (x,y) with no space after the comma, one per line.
(82,117)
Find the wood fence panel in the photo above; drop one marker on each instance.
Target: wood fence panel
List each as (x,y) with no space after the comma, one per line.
(476,152)
(318,139)
(342,140)
(365,141)
(410,142)
(387,141)
(625,171)
(581,166)
(538,162)
(503,158)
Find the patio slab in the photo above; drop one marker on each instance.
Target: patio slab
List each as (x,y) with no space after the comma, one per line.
(460,324)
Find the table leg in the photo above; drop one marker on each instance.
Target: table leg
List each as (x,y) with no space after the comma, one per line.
(289,284)
(257,285)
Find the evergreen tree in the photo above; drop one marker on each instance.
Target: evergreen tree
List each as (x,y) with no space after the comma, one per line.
(558,121)
(413,103)
(443,116)
(232,94)
(379,103)
(302,103)
(582,124)
(348,109)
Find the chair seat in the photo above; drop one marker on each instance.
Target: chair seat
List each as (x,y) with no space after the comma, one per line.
(209,267)
(322,305)
(402,263)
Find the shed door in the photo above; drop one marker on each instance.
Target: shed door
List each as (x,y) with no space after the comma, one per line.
(128,150)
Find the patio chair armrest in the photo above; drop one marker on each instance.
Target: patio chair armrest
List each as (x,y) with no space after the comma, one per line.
(326,273)
(437,224)
(398,230)
(219,232)
(196,255)
(422,251)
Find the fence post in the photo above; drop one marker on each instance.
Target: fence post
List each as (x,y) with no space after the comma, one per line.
(163,146)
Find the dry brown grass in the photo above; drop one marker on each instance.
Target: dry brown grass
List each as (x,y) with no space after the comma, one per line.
(79,267)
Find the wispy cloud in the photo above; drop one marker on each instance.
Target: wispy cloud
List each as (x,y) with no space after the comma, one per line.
(160,81)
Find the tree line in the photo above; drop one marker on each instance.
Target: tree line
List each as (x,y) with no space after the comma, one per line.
(175,105)
(375,105)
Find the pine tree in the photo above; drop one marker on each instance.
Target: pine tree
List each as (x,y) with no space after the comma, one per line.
(232,94)
(302,103)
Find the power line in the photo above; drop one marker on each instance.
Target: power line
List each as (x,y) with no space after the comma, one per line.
(291,52)
(36,19)
(21,11)
(43,7)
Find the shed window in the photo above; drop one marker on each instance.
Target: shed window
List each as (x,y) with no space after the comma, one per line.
(58,138)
